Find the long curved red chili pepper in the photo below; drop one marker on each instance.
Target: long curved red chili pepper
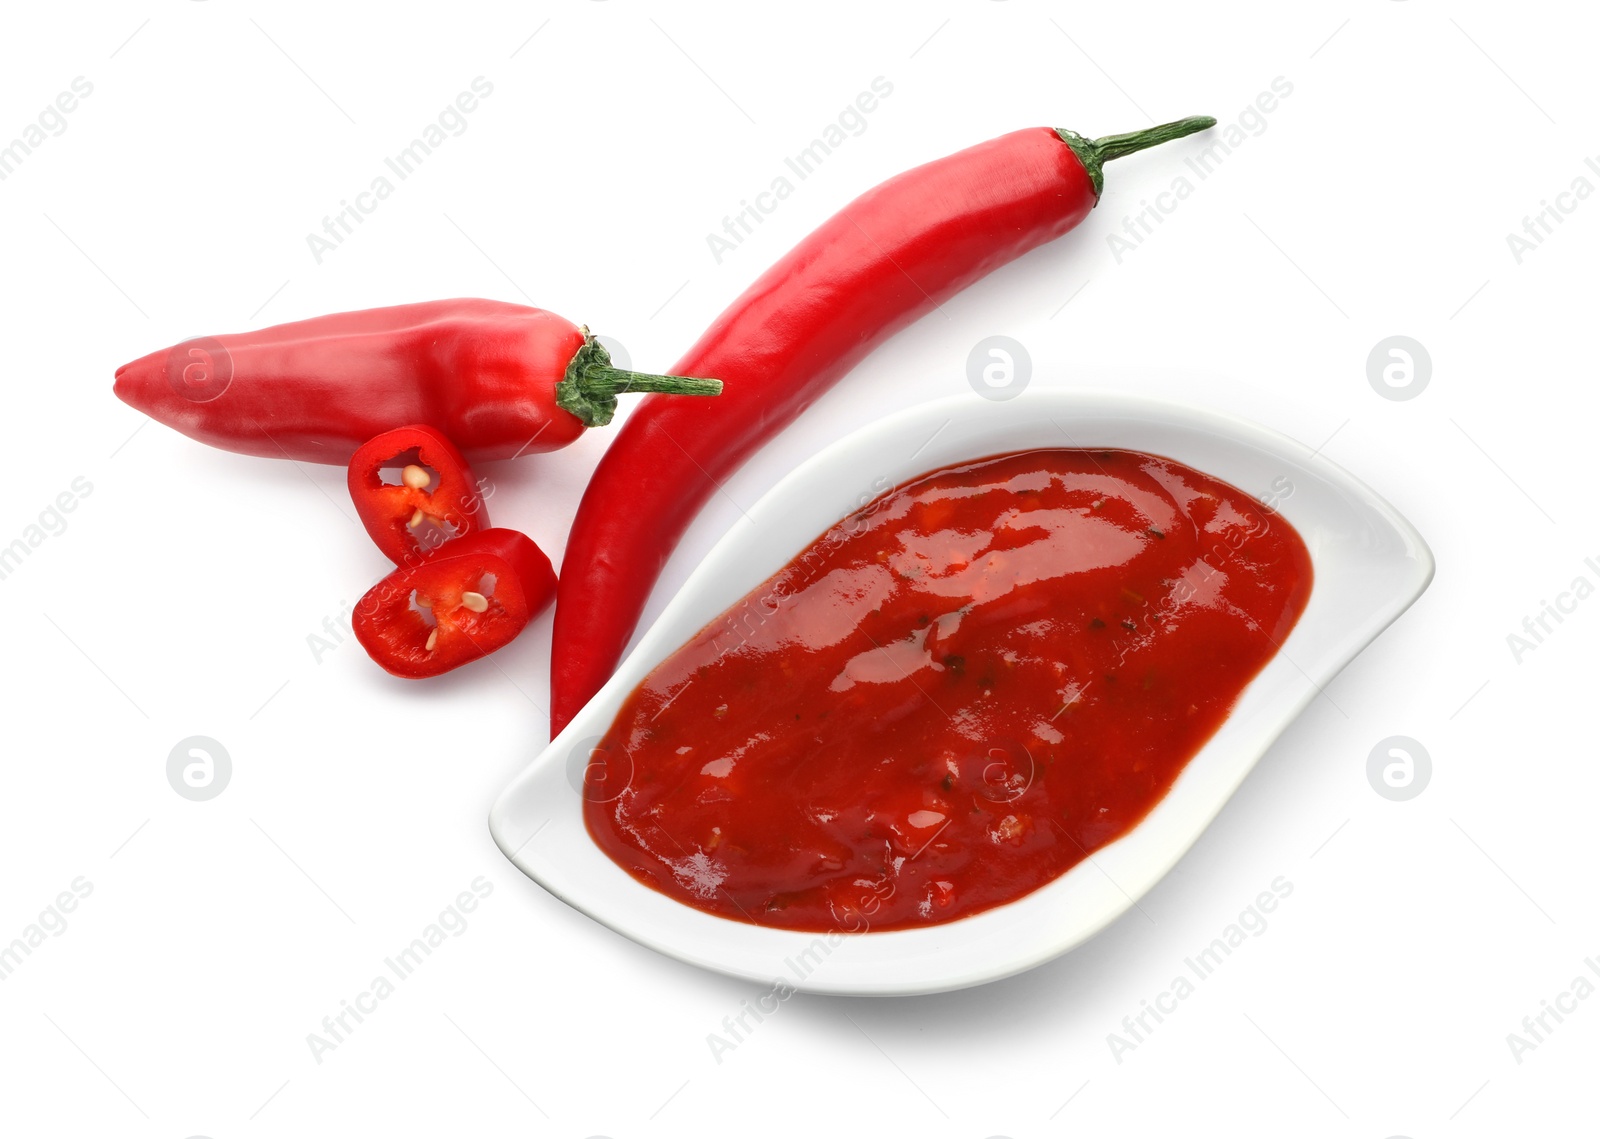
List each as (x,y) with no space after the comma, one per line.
(887,258)
(499,379)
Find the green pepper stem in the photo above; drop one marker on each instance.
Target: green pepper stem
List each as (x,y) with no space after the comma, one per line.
(1094,153)
(602,380)
(1118,145)
(591,385)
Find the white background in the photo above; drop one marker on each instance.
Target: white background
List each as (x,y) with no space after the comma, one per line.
(180,597)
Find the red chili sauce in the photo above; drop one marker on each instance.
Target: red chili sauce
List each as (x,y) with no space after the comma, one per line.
(952,697)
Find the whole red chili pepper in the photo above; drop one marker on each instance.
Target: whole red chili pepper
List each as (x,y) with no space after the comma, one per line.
(500,379)
(885,259)
(437,498)
(480,591)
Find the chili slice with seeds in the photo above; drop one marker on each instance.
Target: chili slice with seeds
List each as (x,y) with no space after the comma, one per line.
(408,520)
(460,604)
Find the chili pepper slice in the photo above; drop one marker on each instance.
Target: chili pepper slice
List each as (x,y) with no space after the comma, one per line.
(887,258)
(462,603)
(436,499)
(501,380)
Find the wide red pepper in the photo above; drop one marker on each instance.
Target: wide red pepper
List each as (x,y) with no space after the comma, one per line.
(501,380)
(462,603)
(885,259)
(437,498)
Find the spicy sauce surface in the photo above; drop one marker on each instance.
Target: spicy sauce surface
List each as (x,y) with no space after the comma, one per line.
(950,698)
